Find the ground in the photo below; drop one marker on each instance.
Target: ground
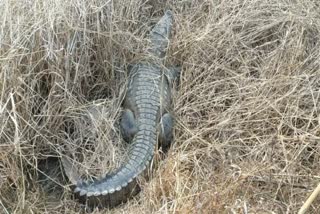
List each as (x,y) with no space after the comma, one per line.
(247,107)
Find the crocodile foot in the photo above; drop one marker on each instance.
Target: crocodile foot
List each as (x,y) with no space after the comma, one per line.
(166,131)
(128,125)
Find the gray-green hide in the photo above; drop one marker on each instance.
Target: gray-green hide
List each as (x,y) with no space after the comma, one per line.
(145,119)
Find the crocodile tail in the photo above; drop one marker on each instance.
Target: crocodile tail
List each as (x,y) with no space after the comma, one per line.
(117,187)
(160,35)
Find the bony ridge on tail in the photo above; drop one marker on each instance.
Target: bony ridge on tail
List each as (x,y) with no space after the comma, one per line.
(146,119)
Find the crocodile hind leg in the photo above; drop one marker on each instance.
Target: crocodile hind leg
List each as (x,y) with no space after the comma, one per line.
(174,74)
(128,125)
(166,131)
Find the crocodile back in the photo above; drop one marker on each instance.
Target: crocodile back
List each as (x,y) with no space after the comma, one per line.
(148,96)
(148,93)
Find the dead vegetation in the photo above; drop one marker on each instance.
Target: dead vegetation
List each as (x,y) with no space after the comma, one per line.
(247,108)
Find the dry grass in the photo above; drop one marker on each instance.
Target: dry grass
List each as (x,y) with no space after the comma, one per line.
(247,108)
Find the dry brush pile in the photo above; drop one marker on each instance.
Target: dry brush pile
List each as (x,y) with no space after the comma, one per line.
(247,108)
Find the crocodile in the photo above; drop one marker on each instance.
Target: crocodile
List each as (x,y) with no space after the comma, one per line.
(145,121)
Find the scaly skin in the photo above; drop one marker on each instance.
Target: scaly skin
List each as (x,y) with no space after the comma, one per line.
(146,119)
